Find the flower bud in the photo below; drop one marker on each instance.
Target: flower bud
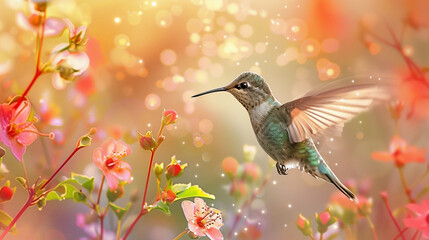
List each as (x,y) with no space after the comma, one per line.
(249,152)
(396,110)
(174,169)
(230,166)
(250,171)
(303,224)
(147,142)
(239,188)
(168,196)
(169,117)
(324,220)
(157,169)
(364,206)
(6,193)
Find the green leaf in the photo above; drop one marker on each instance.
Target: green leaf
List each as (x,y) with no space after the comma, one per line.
(69,191)
(79,197)
(84,181)
(5,220)
(160,205)
(53,195)
(119,212)
(180,187)
(193,191)
(22,182)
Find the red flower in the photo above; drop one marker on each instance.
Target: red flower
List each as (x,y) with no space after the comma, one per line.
(421,220)
(168,196)
(203,220)
(109,157)
(400,152)
(16,130)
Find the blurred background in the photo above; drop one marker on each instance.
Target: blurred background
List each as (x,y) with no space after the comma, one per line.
(146,56)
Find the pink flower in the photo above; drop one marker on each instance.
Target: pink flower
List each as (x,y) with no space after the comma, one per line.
(400,152)
(109,157)
(421,220)
(16,131)
(203,220)
(67,65)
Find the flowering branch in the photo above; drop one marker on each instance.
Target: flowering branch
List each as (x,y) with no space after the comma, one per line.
(386,202)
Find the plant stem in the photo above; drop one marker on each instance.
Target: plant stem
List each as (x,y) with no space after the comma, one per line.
(118,229)
(101,226)
(348,231)
(99,190)
(26,174)
(321,236)
(23,209)
(399,234)
(386,202)
(62,165)
(40,37)
(312,237)
(181,234)
(245,205)
(404,185)
(371,225)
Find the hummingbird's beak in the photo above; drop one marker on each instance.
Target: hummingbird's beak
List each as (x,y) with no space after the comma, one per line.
(221,89)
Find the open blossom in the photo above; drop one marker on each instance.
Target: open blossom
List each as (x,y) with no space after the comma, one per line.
(203,220)
(109,157)
(16,130)
(421,219)
(400,152)
(67,65)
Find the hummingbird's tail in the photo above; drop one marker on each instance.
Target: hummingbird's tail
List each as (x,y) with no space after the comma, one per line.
(329,176)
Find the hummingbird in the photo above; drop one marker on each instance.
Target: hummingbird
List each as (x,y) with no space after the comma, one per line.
(287,132)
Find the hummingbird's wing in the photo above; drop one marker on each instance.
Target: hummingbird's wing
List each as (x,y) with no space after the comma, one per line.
(330,106)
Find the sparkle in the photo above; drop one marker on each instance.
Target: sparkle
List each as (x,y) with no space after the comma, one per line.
(274,182)
(330,152)
(183,142)
(285,225)
(197,165)
(196,175)
(245,229)
(336,164)
(222,175)
(141,61)
(153,4)
(117,20)
(263,211)
(289,205)
(239,210)
(353,81)
(360,122)
(331,139)
(235,234)
(233,205)
(148,124)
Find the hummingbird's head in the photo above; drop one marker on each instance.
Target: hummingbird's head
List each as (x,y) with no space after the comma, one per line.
(250,89)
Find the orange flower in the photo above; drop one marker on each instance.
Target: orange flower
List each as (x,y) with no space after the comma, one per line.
(400,152)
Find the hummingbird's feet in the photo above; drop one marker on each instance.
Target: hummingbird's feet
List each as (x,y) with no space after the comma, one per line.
(281,168)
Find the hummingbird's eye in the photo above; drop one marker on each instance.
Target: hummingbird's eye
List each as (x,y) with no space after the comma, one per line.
(244,85)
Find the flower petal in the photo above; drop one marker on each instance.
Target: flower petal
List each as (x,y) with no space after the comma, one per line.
(17,149)
(22,111)
(58,82)
(200,207)
(426,232)
(70,26)
(123,171)
(195,229)
(98,157)
(54,27)
(22,21)
(121,146)
(27,138)
(382,156)
(188,209)
(78,60)
(419,209)
(417,223)
(214,234)
(109,146)
(111,179)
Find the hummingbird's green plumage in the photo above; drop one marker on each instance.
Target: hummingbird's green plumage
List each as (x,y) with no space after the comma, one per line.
(286,131)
